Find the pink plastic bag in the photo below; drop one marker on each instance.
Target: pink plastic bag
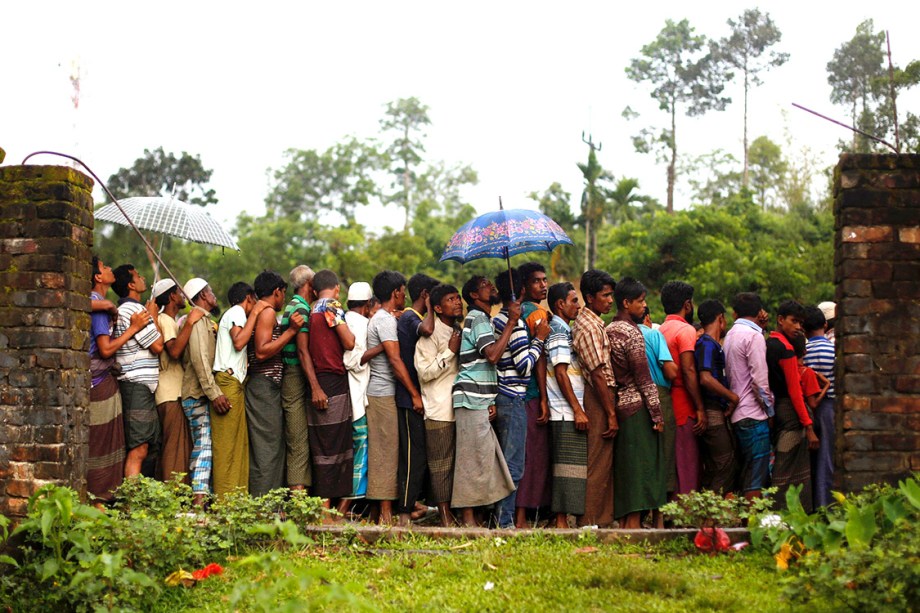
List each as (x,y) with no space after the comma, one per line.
(704,540)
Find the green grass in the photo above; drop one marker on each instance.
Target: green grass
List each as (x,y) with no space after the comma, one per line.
(535,574)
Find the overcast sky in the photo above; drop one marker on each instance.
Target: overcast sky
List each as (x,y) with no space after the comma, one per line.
(510,85)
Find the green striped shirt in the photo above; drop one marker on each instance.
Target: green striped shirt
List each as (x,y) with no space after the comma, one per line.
(289,351)
(476,384)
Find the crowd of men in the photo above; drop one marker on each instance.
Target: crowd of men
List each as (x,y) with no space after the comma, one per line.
(511,414)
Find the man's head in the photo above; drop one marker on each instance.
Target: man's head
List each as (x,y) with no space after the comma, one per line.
(445,300)
(830,312)
(677,299)
(326,284)
(799,346)
(597,288)
(533,275)
(814,323)
(242,293)
(102,274)
(165,291)
(390,285)
(504,285)
(647,317)
(301,277)
(270,287)
(418,285)
(630,298)
(747,305)
(712,312)
(201,295)
(128,281)
(563,300)
(359,294)
(479,289)
(789,318)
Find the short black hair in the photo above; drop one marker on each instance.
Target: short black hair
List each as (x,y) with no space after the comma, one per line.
(324,279)
(419,283)
(528,268)
(163,299)
(790,308)
(239,292)
(674,294)
(799,345)
(594,281)
(356,304)
(97,269)
(503,284)
(709,310)
(439,291)
(123,277)
(628,289)
(267,282)
(557,292)
(747,304)
(471,285)
(814,319)
(385,283)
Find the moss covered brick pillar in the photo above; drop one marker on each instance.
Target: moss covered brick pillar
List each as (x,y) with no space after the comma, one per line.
(877,269)
(46,231)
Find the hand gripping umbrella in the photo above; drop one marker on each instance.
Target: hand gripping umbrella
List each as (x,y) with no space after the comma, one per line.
(503,233)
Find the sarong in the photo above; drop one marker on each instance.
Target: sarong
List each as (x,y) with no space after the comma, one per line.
(534,488)
(142,423)
(296,401)
(331,445)
(753,453)
(599,487)
(639,466)
(481,476)
(382,447)
(440,441)
(792,462)
(686,458)
(105,464)
(570,467)
(230,439)
(668,438)
(822,460)
(412,470)
(359,445)
(265,421)
(199,421)
(717,448)
(177,442)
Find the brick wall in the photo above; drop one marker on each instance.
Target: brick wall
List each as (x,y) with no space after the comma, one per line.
(877,270)
(46,230)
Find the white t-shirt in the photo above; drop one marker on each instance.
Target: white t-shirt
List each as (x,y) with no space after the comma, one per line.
(558,350)
(359,374)
(382,327)
(226,356)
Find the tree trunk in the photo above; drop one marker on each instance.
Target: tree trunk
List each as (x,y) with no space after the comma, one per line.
(589,229)
(672,167)
(744,179)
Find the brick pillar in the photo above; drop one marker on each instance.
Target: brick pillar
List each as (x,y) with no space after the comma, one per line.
(877,270)
(46,231)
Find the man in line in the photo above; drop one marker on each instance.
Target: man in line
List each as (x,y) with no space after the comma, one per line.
(481,475)
(140,370)
(106,455)
(416,322)
(199,389)
(514,371)
(229,432)
(534,489)
(264,416)
(590,342)
(829,310)
(437,366)
(639,461)
(719,463)
(565,390)
(298,379)
(677,300)
(819,357)
(746,370)
(177,440)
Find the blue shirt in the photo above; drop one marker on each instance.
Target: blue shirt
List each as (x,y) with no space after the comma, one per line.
(710,357)
(657,353)
(819,356)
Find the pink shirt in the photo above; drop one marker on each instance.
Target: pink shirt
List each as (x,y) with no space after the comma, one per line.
(746,368)
(681,338)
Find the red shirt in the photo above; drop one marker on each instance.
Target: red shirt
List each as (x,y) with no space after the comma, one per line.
(809,380)
(681,337)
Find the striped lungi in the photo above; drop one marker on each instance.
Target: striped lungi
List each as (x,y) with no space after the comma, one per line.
(331,444)
(570,467)
(142,423)
(177,442)
(382,448)
(295,401)
(199,421)
(105,464)
(792,463)
(265,422)
(440,442)
(481,475)
(359,444)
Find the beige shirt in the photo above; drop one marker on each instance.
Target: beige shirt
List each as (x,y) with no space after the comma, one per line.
(437,368)
(199,361)
(171,371)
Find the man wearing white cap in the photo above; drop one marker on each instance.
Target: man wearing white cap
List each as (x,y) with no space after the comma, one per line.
(177,441)
(199,387)
(830,314)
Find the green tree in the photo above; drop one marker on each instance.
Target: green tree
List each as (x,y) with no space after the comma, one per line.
(404,122)
(625,203)
(684,75)
(768,170)
(593,204)
(748,49)
(852,73)
(556,203)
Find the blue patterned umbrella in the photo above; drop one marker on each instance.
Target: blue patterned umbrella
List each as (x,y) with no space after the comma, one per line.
(503,233)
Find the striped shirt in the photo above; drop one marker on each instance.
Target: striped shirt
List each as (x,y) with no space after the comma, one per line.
(519,359)
(559,351)
(477,382)
(138,363)
(819,357)
(271,367)
(300,305)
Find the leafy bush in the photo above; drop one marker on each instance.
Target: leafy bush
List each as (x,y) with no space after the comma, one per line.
(862,552)
(708,509)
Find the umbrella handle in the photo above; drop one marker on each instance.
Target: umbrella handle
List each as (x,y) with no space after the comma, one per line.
(117,204)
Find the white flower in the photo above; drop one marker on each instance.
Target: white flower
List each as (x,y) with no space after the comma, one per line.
(772,521)
(488,586)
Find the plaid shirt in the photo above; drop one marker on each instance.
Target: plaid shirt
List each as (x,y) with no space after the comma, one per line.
(590,342)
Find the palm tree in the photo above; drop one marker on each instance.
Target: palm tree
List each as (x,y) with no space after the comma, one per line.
(623,201)
(593,203)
